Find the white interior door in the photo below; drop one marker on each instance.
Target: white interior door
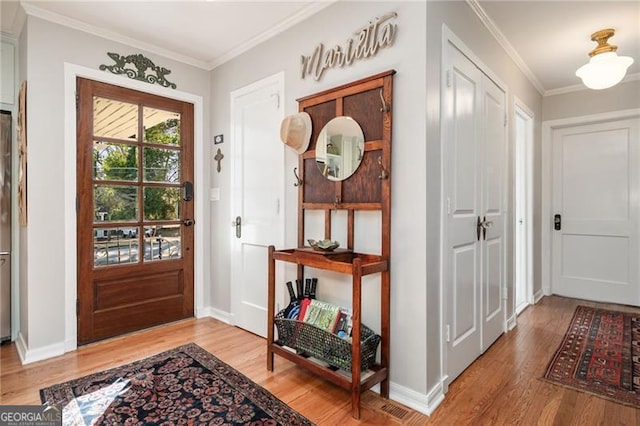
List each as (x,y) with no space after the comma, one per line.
(257,190)
(474,164)
(595,193)
(523,137)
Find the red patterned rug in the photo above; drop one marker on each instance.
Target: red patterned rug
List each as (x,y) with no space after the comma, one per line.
(600,354)
(186,385)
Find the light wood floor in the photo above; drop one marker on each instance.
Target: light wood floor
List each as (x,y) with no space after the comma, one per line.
(501,388)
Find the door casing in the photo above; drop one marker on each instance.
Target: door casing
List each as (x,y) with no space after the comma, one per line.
(71,72)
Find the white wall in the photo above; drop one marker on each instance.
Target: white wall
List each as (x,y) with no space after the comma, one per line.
(334,25)
(587,102)
(48,47)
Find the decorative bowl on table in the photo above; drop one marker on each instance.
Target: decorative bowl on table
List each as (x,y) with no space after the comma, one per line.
(324,245)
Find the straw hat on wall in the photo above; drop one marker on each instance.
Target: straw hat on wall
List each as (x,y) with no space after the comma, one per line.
(295,131)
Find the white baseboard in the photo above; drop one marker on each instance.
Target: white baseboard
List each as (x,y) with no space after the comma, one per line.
(435,397)
(540,294)
(409,398)
(21,346)
(27,356)
(512,322)
(220,315)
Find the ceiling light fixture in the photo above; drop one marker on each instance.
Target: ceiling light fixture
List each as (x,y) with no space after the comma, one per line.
(605,68)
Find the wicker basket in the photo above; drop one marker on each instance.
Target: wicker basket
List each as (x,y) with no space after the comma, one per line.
(316,342)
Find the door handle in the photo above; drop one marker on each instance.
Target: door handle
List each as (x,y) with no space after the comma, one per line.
(188,222)
(481,227)
(485,224)
(238,224)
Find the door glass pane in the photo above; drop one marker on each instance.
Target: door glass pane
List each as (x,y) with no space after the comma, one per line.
(162,242)
(115,161)
(161,203)
(115,203)
(114,246)
(161,165)
(114,119)
(161,127)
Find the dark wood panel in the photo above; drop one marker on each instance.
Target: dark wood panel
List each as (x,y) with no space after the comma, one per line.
(365,109)
(111,293)
(365,185)
(113,322)
(317,188)
(320,114)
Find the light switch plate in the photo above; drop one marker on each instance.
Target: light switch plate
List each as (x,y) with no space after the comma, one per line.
(215,194)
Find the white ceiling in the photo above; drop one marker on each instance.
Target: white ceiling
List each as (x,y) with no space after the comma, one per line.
(549,40)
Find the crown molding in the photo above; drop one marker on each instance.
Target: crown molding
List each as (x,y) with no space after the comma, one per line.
(37,12)
(294,19)
(502,40)
(581,87)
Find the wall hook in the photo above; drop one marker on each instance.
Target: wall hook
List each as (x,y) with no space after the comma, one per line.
(298,180)
(383,173)
(385,107)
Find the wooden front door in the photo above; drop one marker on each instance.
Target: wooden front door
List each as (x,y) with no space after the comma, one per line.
(135,210)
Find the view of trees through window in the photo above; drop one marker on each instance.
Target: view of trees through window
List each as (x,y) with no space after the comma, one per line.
(119,163)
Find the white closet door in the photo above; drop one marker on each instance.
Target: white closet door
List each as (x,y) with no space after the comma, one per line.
(474,166)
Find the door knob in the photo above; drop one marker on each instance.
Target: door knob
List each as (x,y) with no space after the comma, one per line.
(188,222)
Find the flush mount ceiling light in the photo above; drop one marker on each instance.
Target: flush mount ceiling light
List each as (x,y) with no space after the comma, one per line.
(605,68)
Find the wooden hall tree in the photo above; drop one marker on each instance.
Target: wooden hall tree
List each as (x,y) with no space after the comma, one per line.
(368,102)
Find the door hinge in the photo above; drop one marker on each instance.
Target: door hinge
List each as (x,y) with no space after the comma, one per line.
(77,100)
(448,205)
(505,120)
(448,333)
(77,204)
(448,78)
(77,307)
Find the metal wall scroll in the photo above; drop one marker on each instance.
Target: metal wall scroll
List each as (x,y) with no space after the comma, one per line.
(378,34)
(141,64)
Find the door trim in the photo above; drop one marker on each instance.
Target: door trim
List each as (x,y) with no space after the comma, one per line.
(71,72)
(548,127)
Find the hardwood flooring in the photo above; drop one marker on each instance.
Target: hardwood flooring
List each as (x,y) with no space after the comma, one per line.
(501,388)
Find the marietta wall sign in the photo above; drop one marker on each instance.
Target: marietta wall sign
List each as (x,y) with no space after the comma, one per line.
(365,43)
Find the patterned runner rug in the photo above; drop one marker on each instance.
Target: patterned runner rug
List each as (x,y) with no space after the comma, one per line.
(186,385)
(600,354)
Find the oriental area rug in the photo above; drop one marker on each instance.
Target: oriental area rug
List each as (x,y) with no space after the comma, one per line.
(600,354)
(185,385)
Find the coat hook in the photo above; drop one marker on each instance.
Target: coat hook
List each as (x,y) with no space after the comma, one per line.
(385,107)
(383,173)
(298,180)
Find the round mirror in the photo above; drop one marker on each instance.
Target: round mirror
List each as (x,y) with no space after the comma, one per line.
(339,148)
